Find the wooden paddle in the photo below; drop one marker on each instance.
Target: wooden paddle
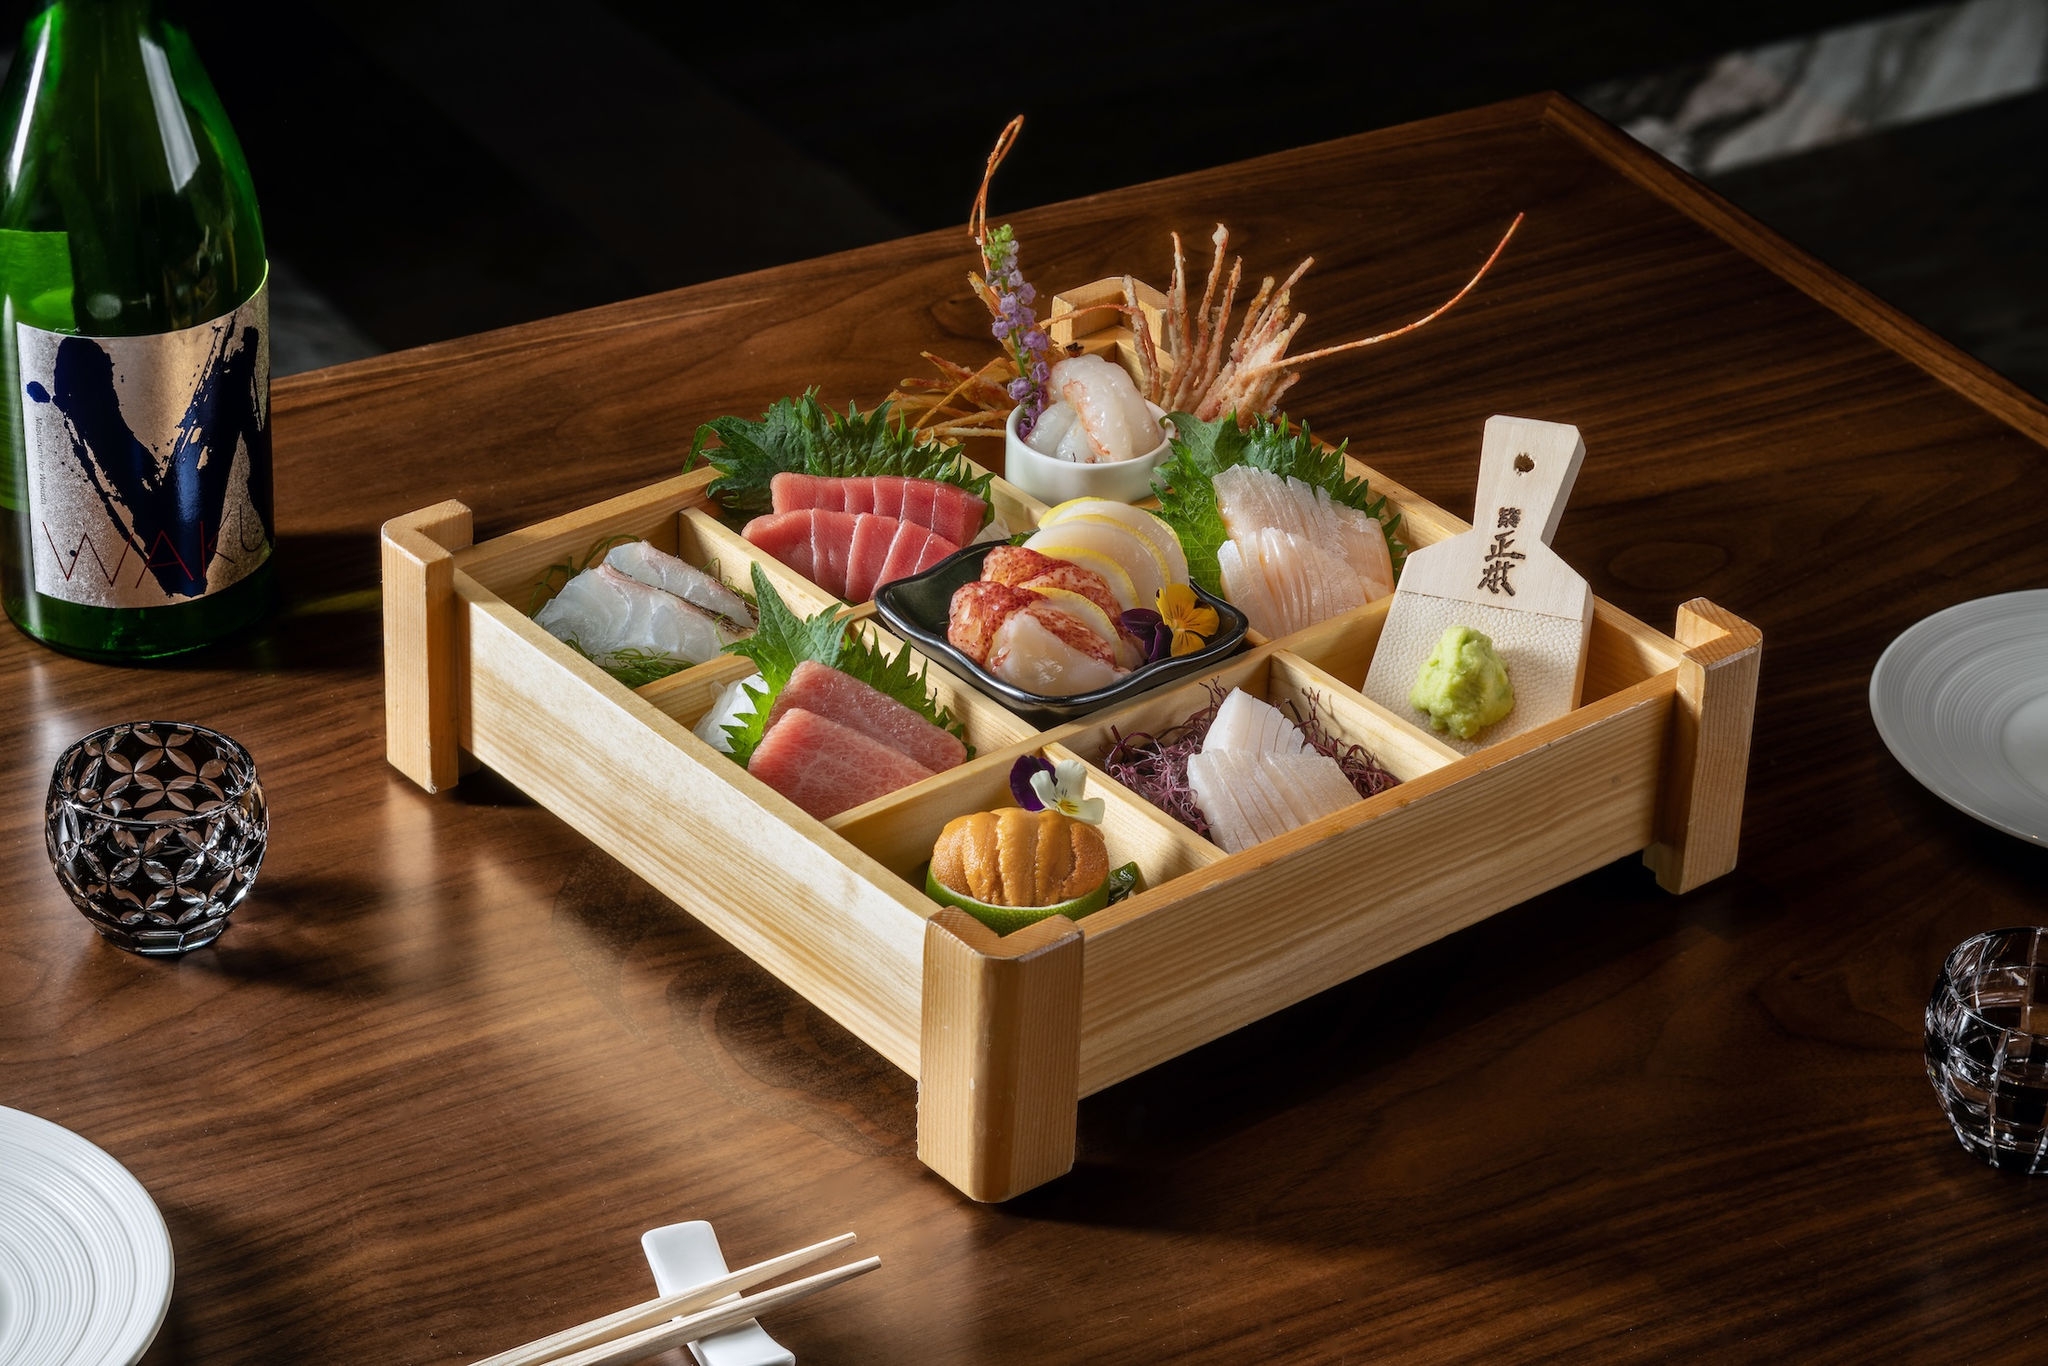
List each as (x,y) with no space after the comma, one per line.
(1501,578)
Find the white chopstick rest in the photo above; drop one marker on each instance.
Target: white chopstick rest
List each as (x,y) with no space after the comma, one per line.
(687,1254)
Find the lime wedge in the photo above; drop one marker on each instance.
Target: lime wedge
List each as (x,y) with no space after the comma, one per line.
(1010,919)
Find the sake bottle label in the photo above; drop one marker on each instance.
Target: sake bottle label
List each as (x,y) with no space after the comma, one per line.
(148,464)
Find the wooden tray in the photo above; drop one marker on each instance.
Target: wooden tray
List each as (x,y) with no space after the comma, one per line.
(1005,1035)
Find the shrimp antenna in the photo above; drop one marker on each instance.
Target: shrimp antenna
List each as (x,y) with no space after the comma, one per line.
(1430,316)
(977,220)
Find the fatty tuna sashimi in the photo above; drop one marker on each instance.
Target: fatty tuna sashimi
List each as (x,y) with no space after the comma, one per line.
(867,558)
(913,551)
(604,613)
(947,509)
(659,569)
(826,692)
(786,536)
(1252,499)
(819,543)
(827,768)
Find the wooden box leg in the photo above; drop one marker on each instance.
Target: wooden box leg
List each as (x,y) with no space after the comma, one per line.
(1706,761)
(1000,1066)
(420,646)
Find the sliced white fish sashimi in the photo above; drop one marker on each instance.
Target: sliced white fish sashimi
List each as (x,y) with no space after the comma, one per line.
(1252,499)
(1252,725)
(659,569)
(1256,776)
(606,613)
(734,701)
(1249,797)
(1284,582)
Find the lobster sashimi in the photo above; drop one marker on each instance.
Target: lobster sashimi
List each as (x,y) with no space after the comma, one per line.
(848,554)
(947,509)
(1023,638)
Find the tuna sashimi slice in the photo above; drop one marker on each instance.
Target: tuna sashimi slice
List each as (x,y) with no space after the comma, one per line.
(786,536)
(868,557)
(935,548)
(957,514)
(832,549)
(824,691)
(947,509)
(827,768)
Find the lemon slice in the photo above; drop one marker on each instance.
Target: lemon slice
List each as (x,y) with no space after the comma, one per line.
(1078,605)
(1010,919)
(1149,526)
(1112,571)
(1130,551)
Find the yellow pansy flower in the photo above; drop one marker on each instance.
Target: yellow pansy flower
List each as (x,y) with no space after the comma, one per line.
(1190,619)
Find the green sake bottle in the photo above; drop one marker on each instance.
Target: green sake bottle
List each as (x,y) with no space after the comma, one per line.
(135,476)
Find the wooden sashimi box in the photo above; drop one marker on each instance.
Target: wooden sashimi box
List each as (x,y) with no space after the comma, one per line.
(1004,1036)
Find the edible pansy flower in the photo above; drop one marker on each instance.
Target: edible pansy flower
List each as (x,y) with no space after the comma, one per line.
(1150,630)
(1190,619)
(1061,789)
(1022,773)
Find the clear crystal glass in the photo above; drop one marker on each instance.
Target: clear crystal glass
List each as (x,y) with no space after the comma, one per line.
(1987,1046)
(156,829)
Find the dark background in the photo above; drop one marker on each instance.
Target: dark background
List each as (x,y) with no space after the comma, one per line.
(442,167)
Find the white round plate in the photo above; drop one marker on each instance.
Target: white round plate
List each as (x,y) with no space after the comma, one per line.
(1961,700)
(85,1259)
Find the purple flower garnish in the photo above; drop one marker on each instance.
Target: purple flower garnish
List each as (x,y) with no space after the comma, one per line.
(1020,780)
(1151,631)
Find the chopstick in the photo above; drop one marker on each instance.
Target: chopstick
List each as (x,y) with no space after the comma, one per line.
(664,1308)
(649,1341)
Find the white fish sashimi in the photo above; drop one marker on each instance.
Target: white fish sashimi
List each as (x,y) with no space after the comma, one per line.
(1253,725)
(1108,407)
(734,701)
(659,569)
(1249,797)
(1284,583)
(1251,500)
(607,614)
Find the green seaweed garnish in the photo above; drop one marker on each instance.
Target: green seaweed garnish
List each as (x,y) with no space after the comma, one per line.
(1203,450)
(634,668)
(803,436)
(783,640)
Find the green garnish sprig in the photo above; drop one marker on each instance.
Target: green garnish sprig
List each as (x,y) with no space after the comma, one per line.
(803,436)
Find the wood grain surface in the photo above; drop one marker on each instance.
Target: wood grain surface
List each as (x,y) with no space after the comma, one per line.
(450,1060)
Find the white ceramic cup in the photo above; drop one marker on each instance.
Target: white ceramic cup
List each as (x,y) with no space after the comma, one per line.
(1051,480)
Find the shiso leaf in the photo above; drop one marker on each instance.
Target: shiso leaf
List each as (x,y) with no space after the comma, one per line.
(1203,450)
(803,436)
(784,640)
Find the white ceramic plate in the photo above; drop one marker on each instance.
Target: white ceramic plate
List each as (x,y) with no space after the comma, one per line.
(85,1259)
(1961,700)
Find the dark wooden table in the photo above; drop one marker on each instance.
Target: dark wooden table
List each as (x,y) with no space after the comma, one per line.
(450,1060)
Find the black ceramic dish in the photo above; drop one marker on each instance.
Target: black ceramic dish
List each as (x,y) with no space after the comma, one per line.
(917,608)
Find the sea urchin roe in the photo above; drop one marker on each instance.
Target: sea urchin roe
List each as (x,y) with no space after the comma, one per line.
(1464,684)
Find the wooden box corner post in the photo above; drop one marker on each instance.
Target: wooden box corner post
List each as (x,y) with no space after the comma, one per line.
(421,641)
(999,1072)
(1706,758)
